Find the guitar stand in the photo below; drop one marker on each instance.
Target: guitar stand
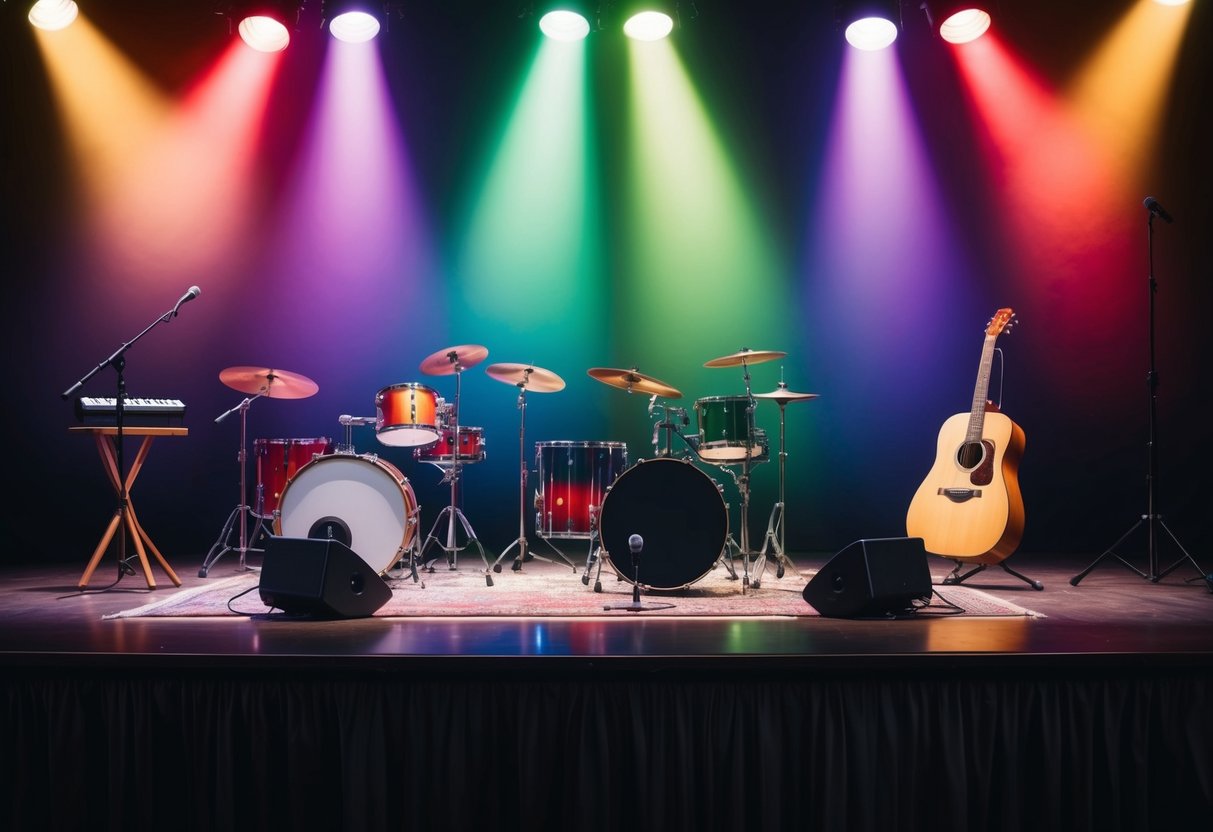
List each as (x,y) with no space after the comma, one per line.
(954,577)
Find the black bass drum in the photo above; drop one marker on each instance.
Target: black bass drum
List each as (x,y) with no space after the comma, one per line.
(680,514)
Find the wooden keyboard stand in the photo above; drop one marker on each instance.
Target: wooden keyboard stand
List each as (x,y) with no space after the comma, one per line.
(107,438)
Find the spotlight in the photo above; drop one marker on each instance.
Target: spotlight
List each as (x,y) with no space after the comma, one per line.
(265,24)
(354,21)
(957,22)
(648,20)
(53,15)
(566,21)
(870,24)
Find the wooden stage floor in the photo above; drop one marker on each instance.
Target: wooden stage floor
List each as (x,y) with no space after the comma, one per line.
(1112,617)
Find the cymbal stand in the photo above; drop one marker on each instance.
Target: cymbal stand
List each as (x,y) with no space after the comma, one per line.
(743,487)
(774,539)
(521,542)
(240,513)
(452,512)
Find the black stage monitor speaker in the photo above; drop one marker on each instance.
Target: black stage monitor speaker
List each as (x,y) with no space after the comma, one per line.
(320,578)
(872,579)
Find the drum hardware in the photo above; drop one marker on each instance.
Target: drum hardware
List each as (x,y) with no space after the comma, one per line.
(267,383)
(348,422)
(453,361)
(776,530)
(524,377)
(666,423)
(743,358)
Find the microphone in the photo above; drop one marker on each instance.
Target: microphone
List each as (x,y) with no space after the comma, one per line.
(193,292)
(635,543)
(1157,210)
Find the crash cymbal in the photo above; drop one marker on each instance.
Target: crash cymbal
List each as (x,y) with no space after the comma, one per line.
(634,382)
(783,395)
(526,376)
(274,384)
(745,356)
(442,363)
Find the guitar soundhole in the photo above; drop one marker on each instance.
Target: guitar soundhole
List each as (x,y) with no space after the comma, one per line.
(970,454)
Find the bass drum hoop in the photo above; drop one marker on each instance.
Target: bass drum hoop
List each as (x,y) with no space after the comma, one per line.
(680,513)
(362,497)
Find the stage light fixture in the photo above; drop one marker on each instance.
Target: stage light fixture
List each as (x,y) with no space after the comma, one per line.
(565,21)
(957,22)
(354,21)
(53,15)
(265,25)
(1172,2)
(649,21)
(870,25)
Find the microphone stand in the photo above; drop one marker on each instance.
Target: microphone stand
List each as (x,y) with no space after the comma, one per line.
(635,544)
(1152,520)
(118,361)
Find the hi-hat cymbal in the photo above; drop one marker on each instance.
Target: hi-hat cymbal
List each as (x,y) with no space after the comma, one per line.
(745,356)
(783,395)
(275,384)
(442,363)
(526,376)
(634,382)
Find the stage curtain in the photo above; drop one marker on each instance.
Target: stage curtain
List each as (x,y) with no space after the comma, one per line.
(605,750)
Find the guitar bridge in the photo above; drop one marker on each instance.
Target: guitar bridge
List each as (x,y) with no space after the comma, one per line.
(960,495)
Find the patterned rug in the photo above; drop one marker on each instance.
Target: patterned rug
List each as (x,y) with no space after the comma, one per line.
(542,589)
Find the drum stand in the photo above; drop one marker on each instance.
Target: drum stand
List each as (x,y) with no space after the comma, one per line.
(452,512)
(240,513)
(775,530)
(521,542)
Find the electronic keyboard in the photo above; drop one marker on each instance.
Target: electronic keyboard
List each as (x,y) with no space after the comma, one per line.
(136,412)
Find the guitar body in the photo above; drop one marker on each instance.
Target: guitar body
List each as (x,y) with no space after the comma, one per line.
(972,512)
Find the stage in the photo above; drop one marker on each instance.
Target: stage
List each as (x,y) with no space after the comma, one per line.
(1096,713)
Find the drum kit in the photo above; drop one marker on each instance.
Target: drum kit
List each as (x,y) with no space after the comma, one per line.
(665,506)
(677,510)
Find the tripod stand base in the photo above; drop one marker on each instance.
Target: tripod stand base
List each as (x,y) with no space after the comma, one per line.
(451,548)
(222,546)
(638,606)
(1154,575)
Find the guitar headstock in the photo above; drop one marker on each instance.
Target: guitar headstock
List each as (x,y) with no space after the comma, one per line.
(1002,321)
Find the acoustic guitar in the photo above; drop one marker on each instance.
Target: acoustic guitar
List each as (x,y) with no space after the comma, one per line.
(969,507)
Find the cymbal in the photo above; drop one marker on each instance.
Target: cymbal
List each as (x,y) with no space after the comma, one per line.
(526,376)
(745,356)
(634,382)
(783,395)
(442,363)
(275,384)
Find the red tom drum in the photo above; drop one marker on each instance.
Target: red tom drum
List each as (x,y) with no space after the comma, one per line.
(277,461)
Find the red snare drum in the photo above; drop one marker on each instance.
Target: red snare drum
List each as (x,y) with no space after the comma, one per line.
(407,415)
(471,446)
(277,462)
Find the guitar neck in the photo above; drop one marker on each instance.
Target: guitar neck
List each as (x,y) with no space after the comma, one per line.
(981,391)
